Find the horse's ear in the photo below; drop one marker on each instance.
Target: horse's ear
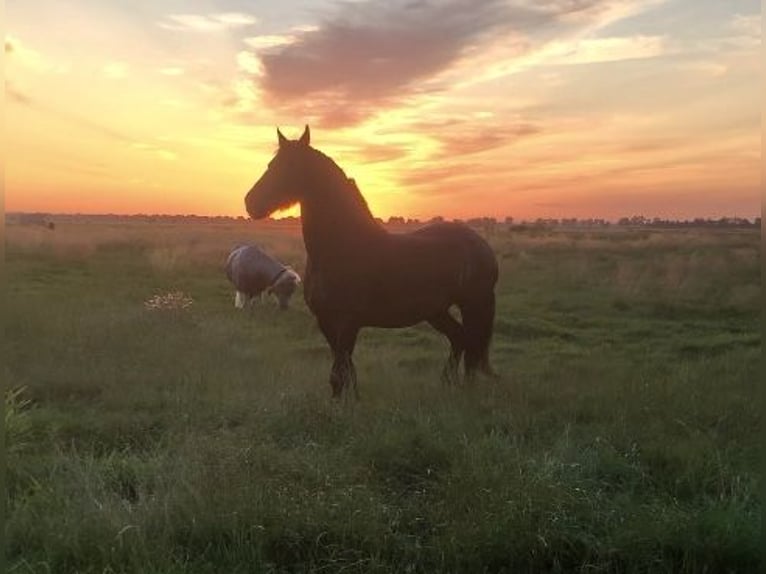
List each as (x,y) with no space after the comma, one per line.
(306,137)
(282,139)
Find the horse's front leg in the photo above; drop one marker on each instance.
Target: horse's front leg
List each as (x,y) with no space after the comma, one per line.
(343,375)
(337,376)
(351,376)
(342,339)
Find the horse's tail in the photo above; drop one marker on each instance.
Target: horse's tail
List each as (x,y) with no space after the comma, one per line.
(478,320)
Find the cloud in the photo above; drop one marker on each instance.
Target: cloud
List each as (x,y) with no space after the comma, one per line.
(486,131)
(592,11)
(706,68)
(747,25)
(379,153)
(305,28)
(441,180)
(377,50)
(156,150)
(248,62)
(746,31)
(243,101)
(485,139)
(382,53)
(208,23)
(16,96)
(265,42)
(600,50)
(25,57)
(235,19)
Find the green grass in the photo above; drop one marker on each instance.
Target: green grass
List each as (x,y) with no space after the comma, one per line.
(623,435)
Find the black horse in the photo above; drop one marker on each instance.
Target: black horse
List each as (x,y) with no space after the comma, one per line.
(358,274)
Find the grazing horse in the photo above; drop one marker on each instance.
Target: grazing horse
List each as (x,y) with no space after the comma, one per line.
(358,274)
(252,272)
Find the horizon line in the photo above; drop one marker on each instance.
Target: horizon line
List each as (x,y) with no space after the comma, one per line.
(505,219)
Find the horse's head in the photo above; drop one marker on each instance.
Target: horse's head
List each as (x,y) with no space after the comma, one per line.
(283,182)
(285,287)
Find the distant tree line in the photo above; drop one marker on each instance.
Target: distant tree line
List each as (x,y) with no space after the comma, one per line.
(38,219)
(633,221)
(640,220)
(33,218)
(486,223)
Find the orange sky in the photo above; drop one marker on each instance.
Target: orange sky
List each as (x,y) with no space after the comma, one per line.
(600,108)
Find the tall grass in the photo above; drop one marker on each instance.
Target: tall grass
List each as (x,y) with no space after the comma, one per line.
(16,419)
(622,436)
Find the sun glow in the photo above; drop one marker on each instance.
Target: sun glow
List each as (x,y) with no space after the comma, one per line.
(566,118)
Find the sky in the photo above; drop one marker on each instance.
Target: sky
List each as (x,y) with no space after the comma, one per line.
(457,108)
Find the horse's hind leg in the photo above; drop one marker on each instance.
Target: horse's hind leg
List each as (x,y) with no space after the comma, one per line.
(453,330)
(478,318)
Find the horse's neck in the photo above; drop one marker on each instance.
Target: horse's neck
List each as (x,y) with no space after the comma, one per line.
(336,220)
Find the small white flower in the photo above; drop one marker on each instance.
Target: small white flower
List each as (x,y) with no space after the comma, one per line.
(171,300)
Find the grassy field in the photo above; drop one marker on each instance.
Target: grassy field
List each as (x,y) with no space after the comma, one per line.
(622,436)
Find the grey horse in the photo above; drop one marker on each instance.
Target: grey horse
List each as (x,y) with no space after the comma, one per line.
(252,272)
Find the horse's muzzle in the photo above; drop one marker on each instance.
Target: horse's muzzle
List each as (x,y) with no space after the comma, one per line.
(254,210)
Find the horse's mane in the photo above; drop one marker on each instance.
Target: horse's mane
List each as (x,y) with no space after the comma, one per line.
(339,179)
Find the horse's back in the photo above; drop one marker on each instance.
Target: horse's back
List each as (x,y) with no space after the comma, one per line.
(454,231)
(466,243)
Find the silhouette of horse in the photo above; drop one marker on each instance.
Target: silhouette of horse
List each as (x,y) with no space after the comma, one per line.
(359,275)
